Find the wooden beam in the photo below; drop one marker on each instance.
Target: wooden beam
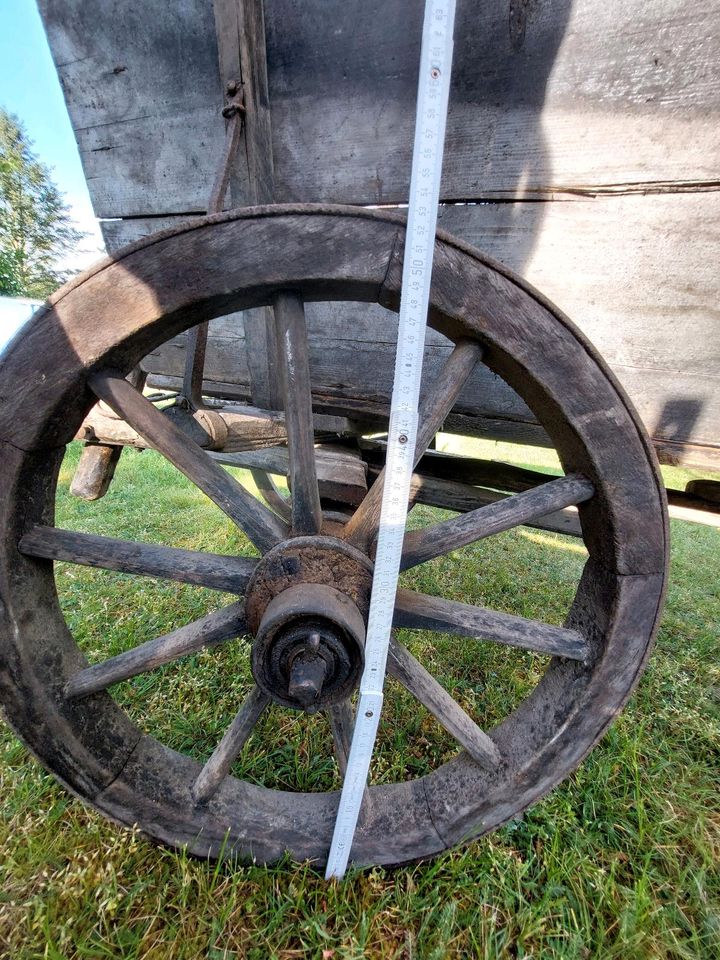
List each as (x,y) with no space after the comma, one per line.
(240,30)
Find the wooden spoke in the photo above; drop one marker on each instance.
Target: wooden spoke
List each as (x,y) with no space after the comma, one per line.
(229,748)
(462,497)
(362,526)
(403,666)
(212,570)
(342,724)
(214,628)
(274,499)
(441,538)
(262,526)
(420,612)
(295,366)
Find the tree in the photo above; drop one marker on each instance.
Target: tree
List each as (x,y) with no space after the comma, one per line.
(35,225)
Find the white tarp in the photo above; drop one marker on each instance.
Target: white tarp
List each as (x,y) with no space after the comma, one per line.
(14,312)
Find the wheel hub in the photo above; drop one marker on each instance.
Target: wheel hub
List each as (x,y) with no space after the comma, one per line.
(308,652)
(307,605)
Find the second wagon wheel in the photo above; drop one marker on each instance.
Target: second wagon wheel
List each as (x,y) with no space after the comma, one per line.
(305,601)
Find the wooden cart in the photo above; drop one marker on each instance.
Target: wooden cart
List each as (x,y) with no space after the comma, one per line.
(582,153)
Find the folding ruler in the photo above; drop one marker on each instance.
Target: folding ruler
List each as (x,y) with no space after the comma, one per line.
(432,102)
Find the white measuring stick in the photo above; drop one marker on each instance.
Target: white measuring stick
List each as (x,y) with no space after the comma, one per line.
(433,93)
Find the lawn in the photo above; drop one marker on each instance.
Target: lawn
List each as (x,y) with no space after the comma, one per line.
(621,861)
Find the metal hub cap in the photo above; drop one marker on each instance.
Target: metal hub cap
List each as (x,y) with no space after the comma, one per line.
(308,652)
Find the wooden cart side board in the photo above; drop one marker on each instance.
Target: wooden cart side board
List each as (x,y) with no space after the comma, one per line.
(608,115)
(620,267)
(581,97)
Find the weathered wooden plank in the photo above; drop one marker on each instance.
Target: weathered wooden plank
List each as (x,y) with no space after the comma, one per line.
(215,628)
(342,723)
(94,471)
(341,474)
(291,334)
(240,34)
(581,96)
(240,29)
(633,272)
(119,233)
(627,270)
(212,570)
(462,497)
(143,92)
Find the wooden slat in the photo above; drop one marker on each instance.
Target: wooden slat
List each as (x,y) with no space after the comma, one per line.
(341,718)
(582,97)
(272,496)
(212,570)
(240,34)
(342,724)
(632,271)
(557,96)
(403,666)
(261,525)
(229,748)
(635,273)
(142,88)
(295,376)
(215,628)
(240,31)
(341,474)
(95,471)
(420,612)
(462,497)
(441,538)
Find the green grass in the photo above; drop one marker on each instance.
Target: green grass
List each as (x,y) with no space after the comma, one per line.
(619,862)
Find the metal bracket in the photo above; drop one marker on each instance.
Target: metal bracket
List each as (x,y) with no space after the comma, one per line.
(234,112)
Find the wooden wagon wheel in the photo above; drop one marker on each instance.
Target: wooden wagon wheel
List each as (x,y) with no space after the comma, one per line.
(306,598)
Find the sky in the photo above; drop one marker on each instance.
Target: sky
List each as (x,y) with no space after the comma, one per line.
(30,89)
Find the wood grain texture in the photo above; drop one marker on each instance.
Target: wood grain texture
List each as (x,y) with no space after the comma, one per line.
(584,97)
(291,334)
(111,317)
(145,297)
(581,98)
(441,538)
(143,92)
(404,667)
(342,476)
(212,570)
(216,627)
(437,401)
(240,31)
(95,471)
(633,272)
(420,612)
(229,748)
(342,723)
(462,497)
(261,525)
(271,495)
